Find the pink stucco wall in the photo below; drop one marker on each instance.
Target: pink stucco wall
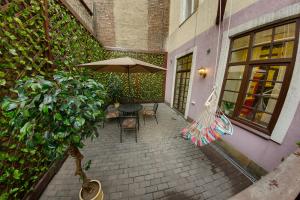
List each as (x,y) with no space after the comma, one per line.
(265,153)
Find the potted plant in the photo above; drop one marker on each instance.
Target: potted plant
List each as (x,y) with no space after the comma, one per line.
(228,107)
(58,115)
(115,89)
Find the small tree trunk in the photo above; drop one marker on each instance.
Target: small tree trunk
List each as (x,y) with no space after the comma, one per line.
(75,153)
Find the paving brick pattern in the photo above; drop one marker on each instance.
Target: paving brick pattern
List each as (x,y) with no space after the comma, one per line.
(161,165)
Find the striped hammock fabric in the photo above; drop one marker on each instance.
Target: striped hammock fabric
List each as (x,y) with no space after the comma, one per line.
(211,125)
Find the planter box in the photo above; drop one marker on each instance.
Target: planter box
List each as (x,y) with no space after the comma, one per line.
(41,185)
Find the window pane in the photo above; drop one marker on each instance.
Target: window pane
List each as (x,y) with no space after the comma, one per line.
(246,113)
(258,73)
(272,89)
(196,4)
(239,56)
(236,72)
(263,37)
(230,96)
(233,85)
(285,32)
(255,87)
(179,66)
(261,52)
(188,8)
(284,50)
(227,107)
(262,119)
(276,73)
(242,42)
(267,105)
(251,101)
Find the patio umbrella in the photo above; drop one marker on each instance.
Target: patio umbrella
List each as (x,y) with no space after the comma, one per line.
(124,65)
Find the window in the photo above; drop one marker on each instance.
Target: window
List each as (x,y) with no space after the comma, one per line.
(188,8)
(258,74)
(183,72)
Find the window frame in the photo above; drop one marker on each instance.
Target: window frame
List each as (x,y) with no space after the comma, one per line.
(248,63)
(183,10)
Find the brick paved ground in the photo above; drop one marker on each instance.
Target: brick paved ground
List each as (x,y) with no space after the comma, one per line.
(160,166)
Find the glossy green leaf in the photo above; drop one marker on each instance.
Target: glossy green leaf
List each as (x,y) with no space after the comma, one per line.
(17,174)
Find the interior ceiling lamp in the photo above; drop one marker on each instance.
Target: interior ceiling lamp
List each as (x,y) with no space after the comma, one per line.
(202,71)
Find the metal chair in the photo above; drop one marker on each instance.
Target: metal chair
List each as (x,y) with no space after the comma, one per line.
(128,122)
(150,112)
(111,113)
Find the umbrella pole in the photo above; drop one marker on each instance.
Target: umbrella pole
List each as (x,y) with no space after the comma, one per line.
(128,79)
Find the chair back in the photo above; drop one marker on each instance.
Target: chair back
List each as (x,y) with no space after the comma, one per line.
(155,106)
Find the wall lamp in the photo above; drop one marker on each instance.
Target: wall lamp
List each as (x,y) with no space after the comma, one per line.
(202,71)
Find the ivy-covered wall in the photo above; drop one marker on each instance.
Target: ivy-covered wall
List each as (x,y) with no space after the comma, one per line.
(37,39)
(147,87)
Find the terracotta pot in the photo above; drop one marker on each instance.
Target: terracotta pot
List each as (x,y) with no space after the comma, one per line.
(99,195)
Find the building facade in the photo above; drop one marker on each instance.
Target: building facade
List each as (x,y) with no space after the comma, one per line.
(253,58)
(127,25)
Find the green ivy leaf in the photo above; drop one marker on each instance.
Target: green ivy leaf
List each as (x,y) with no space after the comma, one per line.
(79,122)
(17,174)
(58,117)
(14,190)
(4,196)
(2,82)
(75,139)
(13,52)
(8,105)
(25,130)
(2,74)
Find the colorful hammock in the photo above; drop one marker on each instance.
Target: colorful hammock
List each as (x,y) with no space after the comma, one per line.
(211,125)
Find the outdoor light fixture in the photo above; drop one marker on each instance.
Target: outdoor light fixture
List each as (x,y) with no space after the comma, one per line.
(202,72)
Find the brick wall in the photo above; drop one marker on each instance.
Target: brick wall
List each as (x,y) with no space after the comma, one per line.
(126,24)
(133,24)
(158,22)
(81,13)
(105,28)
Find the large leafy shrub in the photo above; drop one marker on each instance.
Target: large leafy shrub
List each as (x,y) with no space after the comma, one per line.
(55,114)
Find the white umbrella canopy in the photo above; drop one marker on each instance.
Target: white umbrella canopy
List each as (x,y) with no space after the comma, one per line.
(124,65)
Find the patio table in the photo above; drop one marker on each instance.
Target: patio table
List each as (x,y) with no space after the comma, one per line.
(130,108)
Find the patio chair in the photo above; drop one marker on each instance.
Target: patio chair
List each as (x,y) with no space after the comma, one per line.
(111,112)
(127,123)
(150,112)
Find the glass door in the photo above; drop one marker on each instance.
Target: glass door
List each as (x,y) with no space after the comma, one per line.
(183,72)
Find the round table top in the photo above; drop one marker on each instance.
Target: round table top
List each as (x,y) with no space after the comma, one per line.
(130,108)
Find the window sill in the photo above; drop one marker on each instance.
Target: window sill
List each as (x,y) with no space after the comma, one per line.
(250,129)
(187,18)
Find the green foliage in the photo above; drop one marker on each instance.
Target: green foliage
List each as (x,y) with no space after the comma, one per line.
(146,86)
(298,143)
(72,44)
(22,42)
(24,53)
(114,87)
(55,114)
